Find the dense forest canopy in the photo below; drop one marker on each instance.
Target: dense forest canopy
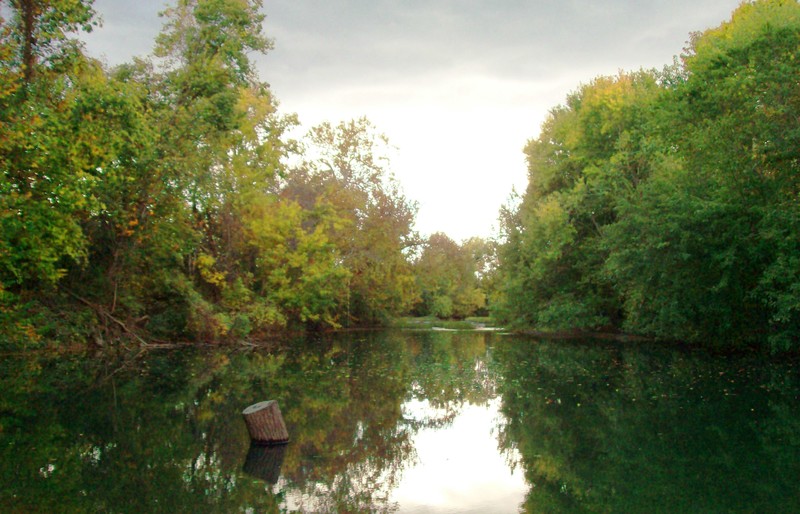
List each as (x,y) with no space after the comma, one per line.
(154,199)
(164,198)
(665,202)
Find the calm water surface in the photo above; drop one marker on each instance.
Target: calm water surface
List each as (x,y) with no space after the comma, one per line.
(421,422)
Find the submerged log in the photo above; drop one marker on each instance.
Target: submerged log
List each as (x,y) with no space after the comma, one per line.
(265,423)
(264,462)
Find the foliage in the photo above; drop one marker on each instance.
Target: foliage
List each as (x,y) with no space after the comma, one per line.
(450,277)
(297,266)
(665,203)
(154,199)
(346,173)
(591,152)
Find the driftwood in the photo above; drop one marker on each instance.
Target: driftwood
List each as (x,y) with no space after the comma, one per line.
(105,315)
(265,423)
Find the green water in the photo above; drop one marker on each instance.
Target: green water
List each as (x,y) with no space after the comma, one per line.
(403,422)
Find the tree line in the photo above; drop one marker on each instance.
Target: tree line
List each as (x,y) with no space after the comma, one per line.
(665,203)
(163,198)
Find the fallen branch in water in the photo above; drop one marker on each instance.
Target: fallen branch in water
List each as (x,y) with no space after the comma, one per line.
(103,313)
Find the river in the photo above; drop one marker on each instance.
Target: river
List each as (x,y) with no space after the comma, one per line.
(403,421)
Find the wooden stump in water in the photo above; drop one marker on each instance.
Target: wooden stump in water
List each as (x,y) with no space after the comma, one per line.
(265,423)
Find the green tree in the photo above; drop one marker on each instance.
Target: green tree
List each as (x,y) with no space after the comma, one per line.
(707,252)
(221,150)
(46,178)
(152,200)
(591,152)
(666,203)
(449,277)
(298,268)
(348,169)
(41,32)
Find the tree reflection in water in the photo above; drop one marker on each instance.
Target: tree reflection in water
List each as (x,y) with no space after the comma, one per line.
(595,427)
(624,428)
(354,453)
(163,432)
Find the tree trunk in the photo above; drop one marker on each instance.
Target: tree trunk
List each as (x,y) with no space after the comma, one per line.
(29,14)
(265,423)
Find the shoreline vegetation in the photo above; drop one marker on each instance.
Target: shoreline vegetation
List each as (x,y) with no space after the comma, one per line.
(163,199)
(664,203)
(434,323)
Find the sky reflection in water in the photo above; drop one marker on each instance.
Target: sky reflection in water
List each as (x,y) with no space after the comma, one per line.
(459,468)
(455,468)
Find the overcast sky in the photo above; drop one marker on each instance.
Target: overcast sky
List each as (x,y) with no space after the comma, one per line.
(458,86)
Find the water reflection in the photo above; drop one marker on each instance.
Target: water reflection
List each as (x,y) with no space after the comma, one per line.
(460,469)
(402,422)
(163,431)
(264,462)
(357,457)
(610,428)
